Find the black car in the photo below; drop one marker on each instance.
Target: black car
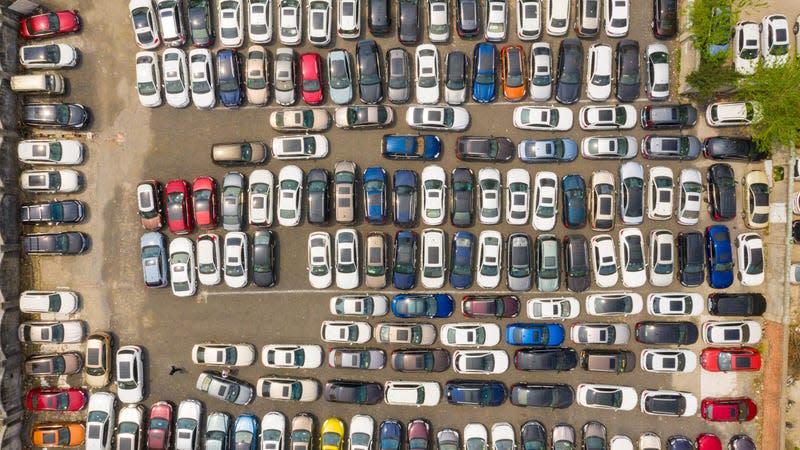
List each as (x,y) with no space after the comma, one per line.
(264,259)
(200,26)
(318,195)
(468,18)
(736,304)
(379,17)
(721,192)
(229,78)
(356,392)
(691,259)
(570,71)
(369,72)
(628,77)
(741,442)
(484,148)
(542,395)
(55,115)
(534,435)
(557,359)
(676,333)
(462,208)
(455,71)
(665,18)
(65,243)
(668,117)
(576,263)
(408,22)
(52,213)
(475,393)
(405,198)
(663,404)
(730,147)
(678,442)
(420,360)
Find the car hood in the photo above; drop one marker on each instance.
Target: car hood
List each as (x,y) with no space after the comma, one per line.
(370,93)
(483,92)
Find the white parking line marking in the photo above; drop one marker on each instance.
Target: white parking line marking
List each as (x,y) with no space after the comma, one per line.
(454,294)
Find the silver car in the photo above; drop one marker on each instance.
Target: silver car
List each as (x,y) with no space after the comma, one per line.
(217,426)
(519,262)
(233,189)
(284,76)
(399,85)
(548,257)
(340,79)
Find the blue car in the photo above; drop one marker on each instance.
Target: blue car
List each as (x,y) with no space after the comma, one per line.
(461,259)
(229,78)
(409,306)
(245,432)
(476,393)
(484,60)
(409,146)
(390,435)
(541,334)
(405,198)
(720,257)
(154,259)
(573,188)
(404,275)
(375,185)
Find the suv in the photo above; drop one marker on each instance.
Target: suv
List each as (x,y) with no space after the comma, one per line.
(691,265)
(468,22)
(587,18)
(665,18)
(661,117)
(229,78)
(736,304)
(721,192)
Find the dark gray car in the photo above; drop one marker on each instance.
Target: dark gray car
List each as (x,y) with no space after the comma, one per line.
(670,147)
(519,262)
(628,71)
(355,392)
(233,189)
(55,115)
(65,243)
(570,71)
(399,75)
(462,208)
(317,187)
(52,213)
(369,72)
(264,258)
(542,395)
(432,360)
(576,263)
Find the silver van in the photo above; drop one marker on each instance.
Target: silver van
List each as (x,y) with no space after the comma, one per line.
(45,83)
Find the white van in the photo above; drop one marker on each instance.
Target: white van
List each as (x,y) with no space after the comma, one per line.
(46,83)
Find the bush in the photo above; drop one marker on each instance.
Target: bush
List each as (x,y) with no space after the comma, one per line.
(711,77)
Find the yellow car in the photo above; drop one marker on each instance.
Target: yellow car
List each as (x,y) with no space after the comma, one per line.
(332,434)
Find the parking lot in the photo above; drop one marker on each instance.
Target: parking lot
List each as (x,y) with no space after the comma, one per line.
(128,143)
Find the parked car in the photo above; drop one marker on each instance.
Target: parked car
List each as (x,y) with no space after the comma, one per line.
(229,78)
(408,22)
(349,358)
(470,334)
(143,19)
(599,70)
(55,399)
(675,333)
(730,359)
(257,84)
(100,421)
(228,389)
(468,18)
(435,360)
(455,82)
(54,364)
(570,68)
(660,117)
(319,22)
(369,71)
(153,253)
(675,304)
(513,74)
(64,243)
(405,333)
(732,332)
(543,118)
(719,256)
(557,308)
(319,260)
(264,255)
(355,392)
(285,74)
(48,56)
(601,203)
(445,118)
(541,68)
(576,263)
(668,361)
(615,361)
(407,146)
(731,147)
(340,71)
(398,74)
(600,333)
(731,114)
(129,374)
(730,409)
(541,395)
(607,117)
(413,393)
(318,196)
(484,67)
(664,402)
(605,396)
(55,212)
(461,259)
(475,393)
(554,359)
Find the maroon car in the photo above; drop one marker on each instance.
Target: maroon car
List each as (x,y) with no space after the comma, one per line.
(49,24)
(179,209)
(420,360)
(490,306)
(159,426)
(419,434)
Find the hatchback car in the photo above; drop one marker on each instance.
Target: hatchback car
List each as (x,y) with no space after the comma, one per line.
(513,75)
(229,78)
(232,207)
(56,115)
(662,333)
(468,18)
(143,18)
(340,74)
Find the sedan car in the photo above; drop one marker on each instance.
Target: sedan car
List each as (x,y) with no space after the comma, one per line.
(613,304)
(438,21)
(576,263)
(318,196)
(236,257)
(145,24)
(319,260)
(756,193)
(475,393)
(129,373)
(775,38)
(604,261)
(517,196)
(413,393)
(345,331)
(599,70)
(280,356)
(55,115)
(543,118)
(398,73)
(355,392)
(427,73)
(545,201)
(732,332)
(657,61)
(54,364)
(534,334)
(405,198)
(356,358)
(520,263)
(406,333)
(600,333)
(182,267)
(444,118)
(484,148)
(632,193)
(675,304)
(750,256)
(410,306)
(541,395)
(285,76)
(354,117)
(663,402)
(470,334)
(290,188)
(461,259)
(607,117)
(319,22)
(375,184)
(224,354)
(513,74)
(736,409)
(290,26)
(553,359)
(490,306)
(632,258)
(462,206)
(209,259)
(369,71)
(570,68)
(606,397)
(675,333)
(188,423)
(404,275)
(227,388)
(231,23)
(55,399)
(48,56)
(668,360)
(433,183)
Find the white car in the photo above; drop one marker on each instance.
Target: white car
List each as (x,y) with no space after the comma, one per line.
(733,114)
(426,59)
(290,23)
(543,118)
(607,117)
(659,198)
(286,389)
(310,146)
(496,21)
(259,26)
(290,195)
(489,187)
(558,308)
(319,22)
(145,24)
(50,181)
(319,260)
(690,197)
(614,304)
(490,259)
(657,62)
(649,441)
(609,147)
(438,21)
(347,332)
(412,393)
(170,18)
(208,259)
(470,334)
(675,304)
(432,272)
(529,19)
(480,362)
(273,430)
(604,261)
(775,40)
(617,17)
(557,17)
(55,302)
(631,258)
(541,72)
(347,259)
(188,422)
(668,360)
(129,374)
(148,79)
(362,429)
(600,333)
(259,201)
(279,356)
(100,420)
(503,436)
(176,77)
(240,355)
(285,91)
(61,332)
(130,423)
(202,78)
(49,56)
(349,19)
(732,332)
(606,396)
(545,201)
(620,442)
(475,437)
(662,258)
(598,72)
(631,193)
(183,279)
(359,305)
(231,23)
(443,118)
(50,151)
(236,259)
(518,193)
(652,398)
(746,47)
(434,199)
(750,259)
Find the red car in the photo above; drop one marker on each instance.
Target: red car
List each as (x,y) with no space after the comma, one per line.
(419,433)
(49,24)
(55,399)
(743,359)
(736,409)
(708,441)
(204,198)
(490,306)
(177,199)
(159,426)
(311,74)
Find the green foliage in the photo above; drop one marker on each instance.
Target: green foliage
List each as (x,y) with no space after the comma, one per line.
(711,22)
(711,77)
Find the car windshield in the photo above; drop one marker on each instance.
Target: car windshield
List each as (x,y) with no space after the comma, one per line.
(476,444)
(339,77)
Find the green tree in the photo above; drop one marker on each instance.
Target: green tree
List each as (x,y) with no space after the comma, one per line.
(710,78)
